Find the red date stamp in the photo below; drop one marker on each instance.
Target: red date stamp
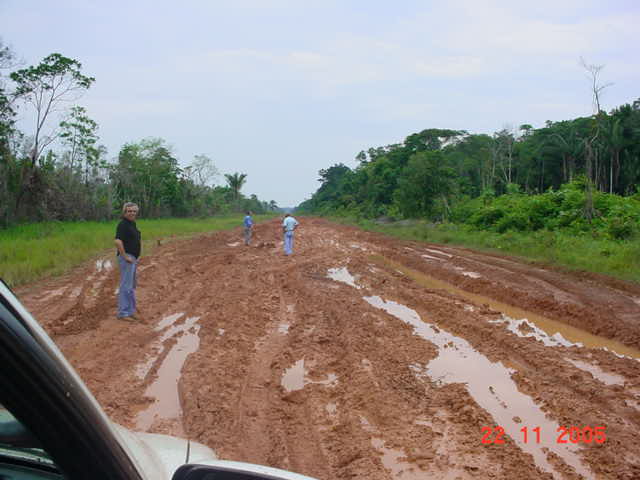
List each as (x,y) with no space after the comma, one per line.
(494,435)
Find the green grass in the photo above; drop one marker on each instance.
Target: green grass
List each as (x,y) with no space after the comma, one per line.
(617,258)
(29,252)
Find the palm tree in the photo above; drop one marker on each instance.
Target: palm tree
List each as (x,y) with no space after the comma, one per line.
(236,181)
(273,205)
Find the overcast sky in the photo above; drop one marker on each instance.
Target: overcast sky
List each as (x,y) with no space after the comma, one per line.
(279,89)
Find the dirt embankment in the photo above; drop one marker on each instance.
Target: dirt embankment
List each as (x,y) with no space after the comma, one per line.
(352,358)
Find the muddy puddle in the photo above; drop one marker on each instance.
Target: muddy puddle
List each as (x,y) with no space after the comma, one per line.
(284,328)
(605,377)
(392,459)
(524,328)
(491,386)
(164,390)
(438,252)
(551,328)
(105,265)
(295,378)
(341,274)
(47,295)
(331,408)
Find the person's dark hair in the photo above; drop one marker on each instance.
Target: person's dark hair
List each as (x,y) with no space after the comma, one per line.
(248,212)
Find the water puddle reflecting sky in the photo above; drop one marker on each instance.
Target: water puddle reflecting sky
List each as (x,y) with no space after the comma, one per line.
(52,293)
(471,274)
(142,369)
(295,378)
(605,377)
(438,252)
(168,320)
(573,335)
(103,265)
(165,388)
(283,328)
(524,328)
(342,275)
(392,459)
(489,384)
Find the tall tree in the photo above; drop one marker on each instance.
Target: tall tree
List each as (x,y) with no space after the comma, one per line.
(148,172)
(79,133)
(423,180)
(591,151)
(47,87)
(7,111)
(8,168)
(202,171)
(236,182)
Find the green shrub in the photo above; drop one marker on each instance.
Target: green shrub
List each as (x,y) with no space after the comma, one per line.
(517,221)
(486,217)
(623,221)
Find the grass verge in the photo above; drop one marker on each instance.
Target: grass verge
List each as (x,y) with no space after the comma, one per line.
(617,258)
(29,252)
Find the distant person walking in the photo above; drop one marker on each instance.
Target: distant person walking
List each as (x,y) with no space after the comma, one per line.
(129,246)
(248,228)
(289,224)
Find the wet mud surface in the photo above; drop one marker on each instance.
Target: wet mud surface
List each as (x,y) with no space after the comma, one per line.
(362,357)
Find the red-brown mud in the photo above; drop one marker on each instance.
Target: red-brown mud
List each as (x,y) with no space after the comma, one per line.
(362,396)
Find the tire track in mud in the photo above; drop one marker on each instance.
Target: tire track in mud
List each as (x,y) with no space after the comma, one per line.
(363,406)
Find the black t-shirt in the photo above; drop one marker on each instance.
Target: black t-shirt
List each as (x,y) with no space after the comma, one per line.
(130,236)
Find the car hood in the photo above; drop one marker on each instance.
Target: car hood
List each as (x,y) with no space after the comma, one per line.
(159,456)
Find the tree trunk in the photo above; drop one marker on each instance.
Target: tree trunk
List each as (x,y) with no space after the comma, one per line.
(611,175)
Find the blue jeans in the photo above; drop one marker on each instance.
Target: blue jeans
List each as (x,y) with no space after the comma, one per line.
(127,291)
(288,243)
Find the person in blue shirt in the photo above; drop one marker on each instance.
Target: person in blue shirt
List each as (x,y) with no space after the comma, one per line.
(289,224)
(248,227)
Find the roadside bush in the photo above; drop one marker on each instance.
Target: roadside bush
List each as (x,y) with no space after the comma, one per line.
(486,217)
(623,222)
(517,221)
(615,217)
(542,208)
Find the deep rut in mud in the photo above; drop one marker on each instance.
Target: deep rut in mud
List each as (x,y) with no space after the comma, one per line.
(362,356)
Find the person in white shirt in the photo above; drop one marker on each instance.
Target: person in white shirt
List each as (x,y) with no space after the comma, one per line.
(289,224)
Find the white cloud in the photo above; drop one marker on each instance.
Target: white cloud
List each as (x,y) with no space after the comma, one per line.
(310,60)
(208,76)
(461,66)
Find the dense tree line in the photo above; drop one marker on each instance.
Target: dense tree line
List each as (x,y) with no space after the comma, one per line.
(433,171)
(59,171)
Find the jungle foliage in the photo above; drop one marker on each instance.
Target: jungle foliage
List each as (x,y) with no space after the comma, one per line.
(580,174)
(57,170)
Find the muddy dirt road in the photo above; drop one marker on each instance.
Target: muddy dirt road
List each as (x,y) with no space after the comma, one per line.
(362,357)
